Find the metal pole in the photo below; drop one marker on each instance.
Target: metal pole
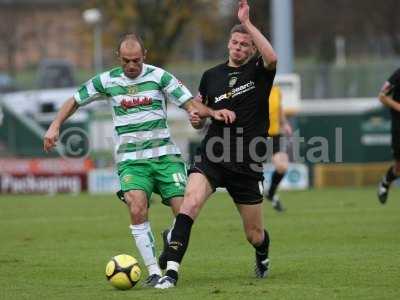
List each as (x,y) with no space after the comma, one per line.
(282,34)
(98,55)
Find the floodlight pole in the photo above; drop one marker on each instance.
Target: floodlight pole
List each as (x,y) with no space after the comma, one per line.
(282,34)
(93,17)
(98,49)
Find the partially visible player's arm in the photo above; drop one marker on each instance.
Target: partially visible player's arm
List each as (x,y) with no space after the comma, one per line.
(195,120)
(285,125)
(52,134)
(194,105)
(386,98)
(90,91)
(196,108)
(263,45)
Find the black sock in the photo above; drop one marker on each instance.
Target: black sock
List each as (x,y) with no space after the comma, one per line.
(275,180)
(263,249)
(389,177)
(172,273)
(179,238)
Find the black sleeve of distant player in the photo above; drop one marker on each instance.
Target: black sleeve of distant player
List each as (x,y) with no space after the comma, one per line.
(394,79)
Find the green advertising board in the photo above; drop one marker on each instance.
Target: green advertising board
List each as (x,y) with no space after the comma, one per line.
(352,131)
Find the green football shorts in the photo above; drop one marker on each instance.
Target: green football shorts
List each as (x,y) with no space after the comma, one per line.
(165,175)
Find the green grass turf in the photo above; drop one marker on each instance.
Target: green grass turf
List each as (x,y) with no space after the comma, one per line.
(329,244)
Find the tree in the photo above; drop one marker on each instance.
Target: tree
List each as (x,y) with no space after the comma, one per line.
(159,22)
(382,20)
(9,37)
(362,21)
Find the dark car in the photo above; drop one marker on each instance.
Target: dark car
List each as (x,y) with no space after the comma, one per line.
(7,83)
(55,73)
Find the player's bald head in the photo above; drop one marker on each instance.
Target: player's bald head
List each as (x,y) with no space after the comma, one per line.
(130,41)
(131,54)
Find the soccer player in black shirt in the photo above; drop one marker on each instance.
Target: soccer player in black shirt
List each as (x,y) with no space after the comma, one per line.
(390,96)
(231,155)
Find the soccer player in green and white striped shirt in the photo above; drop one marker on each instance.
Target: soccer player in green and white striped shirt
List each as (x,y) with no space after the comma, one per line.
(147,158)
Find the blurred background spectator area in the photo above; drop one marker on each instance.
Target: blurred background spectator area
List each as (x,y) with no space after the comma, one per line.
(341,59)
(344,54)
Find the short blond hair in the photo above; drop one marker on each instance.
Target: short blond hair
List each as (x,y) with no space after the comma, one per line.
(239,28)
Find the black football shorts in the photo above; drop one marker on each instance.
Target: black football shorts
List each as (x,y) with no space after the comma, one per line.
(396,144)
(243,184)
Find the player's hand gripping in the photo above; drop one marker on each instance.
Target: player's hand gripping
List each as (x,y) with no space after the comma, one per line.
(224,115)
(50,138)
(195,120)
(244,11)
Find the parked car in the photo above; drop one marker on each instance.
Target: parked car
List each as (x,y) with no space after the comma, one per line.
(7,83)
(55,73)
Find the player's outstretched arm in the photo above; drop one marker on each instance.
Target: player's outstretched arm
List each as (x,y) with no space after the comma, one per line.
(386,98)
(285,125)
(52,134)
(263,45)
(196,121)
(195,107)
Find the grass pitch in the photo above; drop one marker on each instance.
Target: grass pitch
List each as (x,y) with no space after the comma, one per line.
(329,244)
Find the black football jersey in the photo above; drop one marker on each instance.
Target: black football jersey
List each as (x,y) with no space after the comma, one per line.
(244,90)
(394,80)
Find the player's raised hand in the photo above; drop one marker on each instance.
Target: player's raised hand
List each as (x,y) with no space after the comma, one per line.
(224,115)
(244,11)
(50,138)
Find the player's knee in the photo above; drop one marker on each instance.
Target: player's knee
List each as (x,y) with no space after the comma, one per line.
(255,235)
(176,204)
(191,204)
(282,167)
(281,162)
(138,213)
(137,209)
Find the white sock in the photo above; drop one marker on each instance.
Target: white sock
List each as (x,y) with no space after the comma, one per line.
(173,265)
(144,239)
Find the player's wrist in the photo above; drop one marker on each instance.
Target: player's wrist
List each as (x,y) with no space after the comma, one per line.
(211,113)
(56,125)
(246,23)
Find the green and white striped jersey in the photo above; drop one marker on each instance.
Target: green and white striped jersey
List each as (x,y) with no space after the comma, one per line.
(138,109)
